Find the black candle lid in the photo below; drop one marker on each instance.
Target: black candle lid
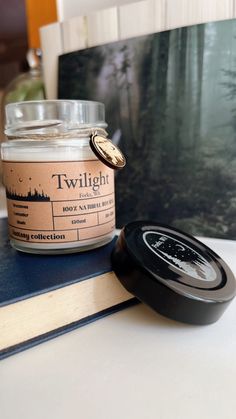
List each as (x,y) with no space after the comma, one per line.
(172,272)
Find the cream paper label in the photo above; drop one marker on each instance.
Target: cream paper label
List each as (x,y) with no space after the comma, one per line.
(59,202)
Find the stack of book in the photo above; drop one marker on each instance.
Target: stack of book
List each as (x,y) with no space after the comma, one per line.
(44,296)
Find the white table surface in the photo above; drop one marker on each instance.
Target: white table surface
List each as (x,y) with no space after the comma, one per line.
(133,364)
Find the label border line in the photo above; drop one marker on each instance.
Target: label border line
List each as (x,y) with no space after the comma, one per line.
(85,213)
(83,199)
(71,241)
(49,161)
(68,229)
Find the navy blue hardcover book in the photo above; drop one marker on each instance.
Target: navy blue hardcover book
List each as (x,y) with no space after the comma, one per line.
(44,296)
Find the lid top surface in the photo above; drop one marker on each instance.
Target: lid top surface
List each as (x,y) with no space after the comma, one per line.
(179,261)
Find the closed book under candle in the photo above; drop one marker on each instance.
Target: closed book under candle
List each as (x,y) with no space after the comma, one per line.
(44,296)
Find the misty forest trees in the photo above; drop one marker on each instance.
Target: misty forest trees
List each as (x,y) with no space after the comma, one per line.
(172,97)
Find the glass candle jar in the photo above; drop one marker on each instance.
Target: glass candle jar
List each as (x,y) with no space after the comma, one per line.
(60,196)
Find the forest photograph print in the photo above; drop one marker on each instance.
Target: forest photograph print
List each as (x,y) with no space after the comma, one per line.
(170,102)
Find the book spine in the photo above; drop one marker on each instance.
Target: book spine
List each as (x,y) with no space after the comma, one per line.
(190,12)
(67,9)
(136,19)
(52,47)
(74,34)
(103,27)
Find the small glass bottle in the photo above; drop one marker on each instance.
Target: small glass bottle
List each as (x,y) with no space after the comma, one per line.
(60,196)
(26,86)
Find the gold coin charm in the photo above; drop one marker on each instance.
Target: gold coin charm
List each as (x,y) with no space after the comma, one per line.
(107,152)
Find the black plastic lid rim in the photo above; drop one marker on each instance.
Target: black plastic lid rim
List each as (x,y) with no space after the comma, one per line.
(158,273)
